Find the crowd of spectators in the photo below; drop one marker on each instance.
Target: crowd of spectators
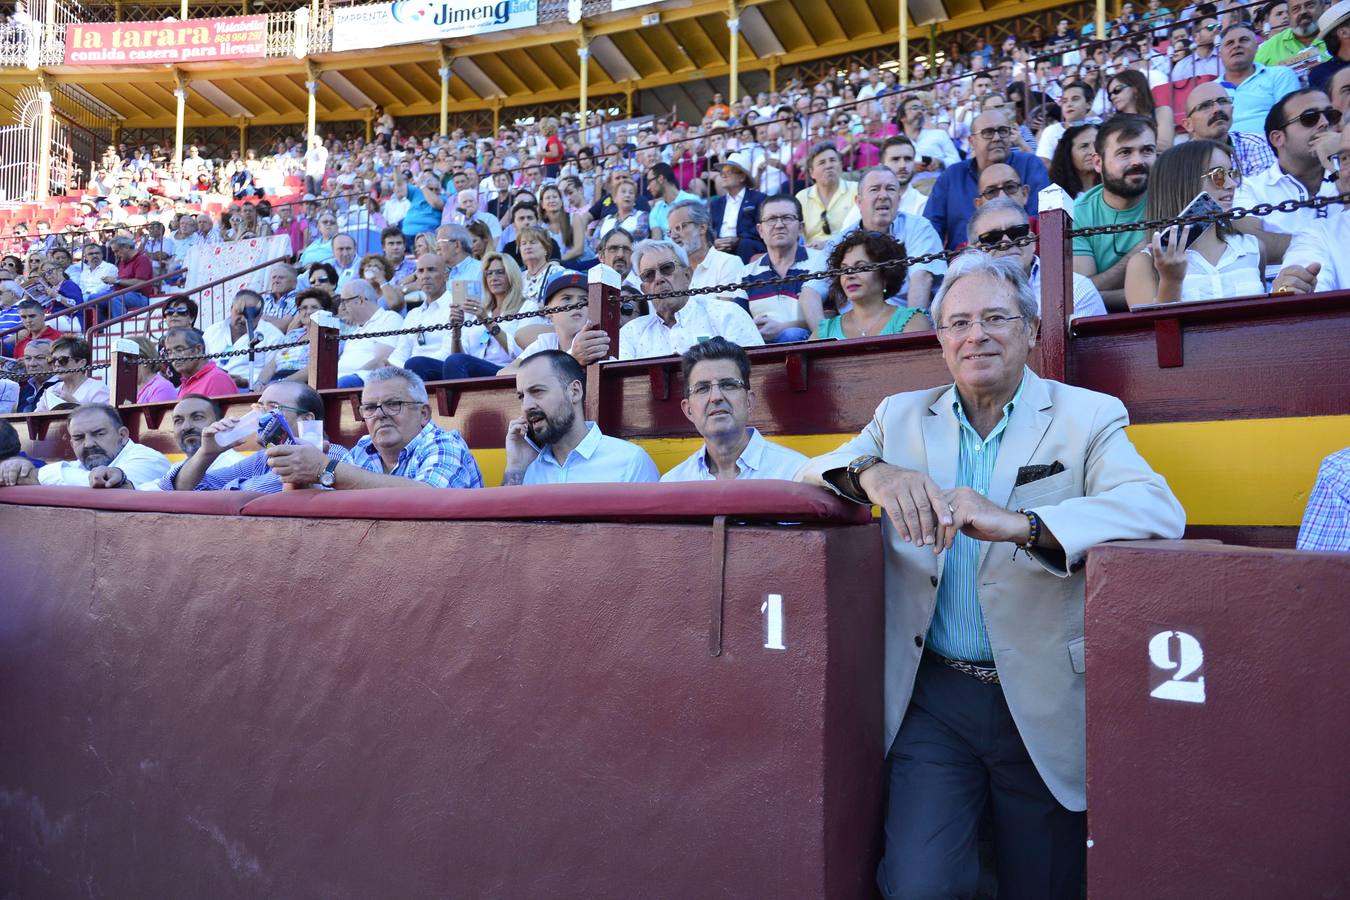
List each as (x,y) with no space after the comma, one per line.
(747,204)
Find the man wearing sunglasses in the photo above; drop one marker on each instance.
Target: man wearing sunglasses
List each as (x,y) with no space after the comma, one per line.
(69,357)
(1202,62)
(1315,260)
(1301,129)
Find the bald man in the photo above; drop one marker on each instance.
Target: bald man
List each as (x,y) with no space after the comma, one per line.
(1000,180)
(1209,115)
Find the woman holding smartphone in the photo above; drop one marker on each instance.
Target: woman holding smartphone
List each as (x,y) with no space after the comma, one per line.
(1178,266)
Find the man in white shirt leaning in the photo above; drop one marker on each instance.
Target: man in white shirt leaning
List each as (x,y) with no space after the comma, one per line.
(689,222)
(719,401)
(105,456)
(677,323)
(359,308)
(1312,262)
(552,443)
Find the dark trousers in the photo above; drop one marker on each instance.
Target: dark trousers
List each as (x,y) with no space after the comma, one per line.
(957,757)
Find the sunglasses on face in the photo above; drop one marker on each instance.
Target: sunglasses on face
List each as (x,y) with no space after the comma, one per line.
(1010,188)
(175,311)
(1220,176)
(1310,117)
(666,269)
(999,235)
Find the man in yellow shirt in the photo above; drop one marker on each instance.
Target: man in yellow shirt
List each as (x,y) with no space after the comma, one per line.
(827,203)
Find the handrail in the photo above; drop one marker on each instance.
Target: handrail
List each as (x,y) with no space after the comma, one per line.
(93,304)
(103,326)
(1227,310)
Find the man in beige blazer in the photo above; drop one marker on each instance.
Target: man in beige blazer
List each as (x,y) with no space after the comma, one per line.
(993,489)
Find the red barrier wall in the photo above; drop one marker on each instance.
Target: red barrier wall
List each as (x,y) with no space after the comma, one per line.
(1227,779)
(208,704)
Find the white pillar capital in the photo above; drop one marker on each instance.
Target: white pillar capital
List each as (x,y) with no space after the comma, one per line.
(180,93)
(312,87)
(734,24)
(584,53)
(444,72)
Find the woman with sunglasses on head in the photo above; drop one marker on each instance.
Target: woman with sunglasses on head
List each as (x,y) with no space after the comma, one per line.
(1218,264)
(1129,93)
(1072,167)
(868,302)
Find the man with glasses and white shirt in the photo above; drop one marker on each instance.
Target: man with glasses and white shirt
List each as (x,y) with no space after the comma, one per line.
(403,449)
(677,323)
(1312,262)
(718,400)
(359,308)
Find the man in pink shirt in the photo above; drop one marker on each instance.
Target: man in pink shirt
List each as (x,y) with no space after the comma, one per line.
(133,268)
(200,376)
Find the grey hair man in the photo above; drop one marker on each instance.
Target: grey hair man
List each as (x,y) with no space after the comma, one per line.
(997,462)
(688,223)
(676,323)
(359,309)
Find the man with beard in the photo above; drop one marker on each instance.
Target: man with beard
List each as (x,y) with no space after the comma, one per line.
(1254,87)
(551,442)
(190,416)
(953,198)
(897,154)
(1126,148)
(1209,115)
(105,455)
(1312,262)
(1301,128)
(1298,45)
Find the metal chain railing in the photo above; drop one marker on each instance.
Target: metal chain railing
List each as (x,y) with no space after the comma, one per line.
(1237,212)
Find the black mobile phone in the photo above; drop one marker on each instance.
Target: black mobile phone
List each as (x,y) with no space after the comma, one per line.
(926,160)
(1202,205)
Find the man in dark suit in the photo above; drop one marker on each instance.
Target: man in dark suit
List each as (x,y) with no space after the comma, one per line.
(736,209)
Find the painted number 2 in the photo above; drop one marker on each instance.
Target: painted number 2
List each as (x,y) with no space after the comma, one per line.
(772,608)
(1190,658)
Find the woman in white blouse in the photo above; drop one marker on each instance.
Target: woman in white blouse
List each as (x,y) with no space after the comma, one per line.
(480,350)
(1220,264)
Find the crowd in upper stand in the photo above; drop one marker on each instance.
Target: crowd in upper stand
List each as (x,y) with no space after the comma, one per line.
(1206,107)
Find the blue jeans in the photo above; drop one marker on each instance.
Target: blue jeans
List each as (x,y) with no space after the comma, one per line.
(462,365)
(788,335)
(118,306)
(427,368)
(351,381)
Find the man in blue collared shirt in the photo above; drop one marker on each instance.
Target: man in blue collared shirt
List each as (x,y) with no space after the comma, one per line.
(1255,88)
(953,197)
(718,400)
(552,443)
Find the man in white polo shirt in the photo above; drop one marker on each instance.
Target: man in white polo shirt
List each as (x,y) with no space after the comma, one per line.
(1312,262)
(552,443)
(359,309)
(105,456)
(718,400)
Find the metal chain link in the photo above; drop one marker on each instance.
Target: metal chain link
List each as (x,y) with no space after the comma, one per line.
(1237,212)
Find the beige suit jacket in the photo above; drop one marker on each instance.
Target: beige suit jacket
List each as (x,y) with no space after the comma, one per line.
(1033,605)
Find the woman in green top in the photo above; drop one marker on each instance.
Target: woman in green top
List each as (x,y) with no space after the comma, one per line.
(862,295)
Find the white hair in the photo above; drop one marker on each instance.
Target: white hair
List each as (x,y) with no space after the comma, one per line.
(650,246)
(417,388)
(1007,269)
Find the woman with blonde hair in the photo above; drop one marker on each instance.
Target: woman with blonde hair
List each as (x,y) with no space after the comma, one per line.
(478,350)
(151,385)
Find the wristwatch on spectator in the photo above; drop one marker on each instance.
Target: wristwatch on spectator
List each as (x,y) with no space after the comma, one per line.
(327,478)
(855,470)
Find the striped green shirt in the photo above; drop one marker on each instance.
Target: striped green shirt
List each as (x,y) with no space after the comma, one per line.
(958,631)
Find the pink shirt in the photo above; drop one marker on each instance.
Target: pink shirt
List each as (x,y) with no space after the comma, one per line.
(210,380)
(157,389)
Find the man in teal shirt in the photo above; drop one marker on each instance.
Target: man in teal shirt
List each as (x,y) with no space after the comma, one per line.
(1255,88)
(1126,148)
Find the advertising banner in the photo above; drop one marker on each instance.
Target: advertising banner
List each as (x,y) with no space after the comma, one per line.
(413,21)
(149,43)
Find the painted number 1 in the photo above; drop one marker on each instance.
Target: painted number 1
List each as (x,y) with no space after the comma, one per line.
(1189,660)
(772,608)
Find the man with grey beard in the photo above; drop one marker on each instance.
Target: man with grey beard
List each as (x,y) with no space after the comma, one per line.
(1298,46)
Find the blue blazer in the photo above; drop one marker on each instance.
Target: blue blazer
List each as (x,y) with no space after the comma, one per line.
(745,222)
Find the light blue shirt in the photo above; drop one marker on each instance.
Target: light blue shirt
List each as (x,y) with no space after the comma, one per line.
(1254,97)
(598,459)
(467,269)
(957,630)
(759,459)
(660,209)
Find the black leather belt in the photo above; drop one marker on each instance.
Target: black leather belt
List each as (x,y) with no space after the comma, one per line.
(984,674)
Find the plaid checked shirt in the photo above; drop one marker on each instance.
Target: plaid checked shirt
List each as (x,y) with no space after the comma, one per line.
(1326,521)
(435,456)
(1251,152)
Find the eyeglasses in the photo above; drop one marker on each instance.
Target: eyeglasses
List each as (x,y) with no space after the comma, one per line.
(176,311)
(1216,103)
(60,360)
(391,408)
(988,134)
(724,385)
(1010,188)
(1310,117)
(778,220)
(999,235)
(1220,176)
(319,279)
(666,269)
(272,406)
(995,324)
